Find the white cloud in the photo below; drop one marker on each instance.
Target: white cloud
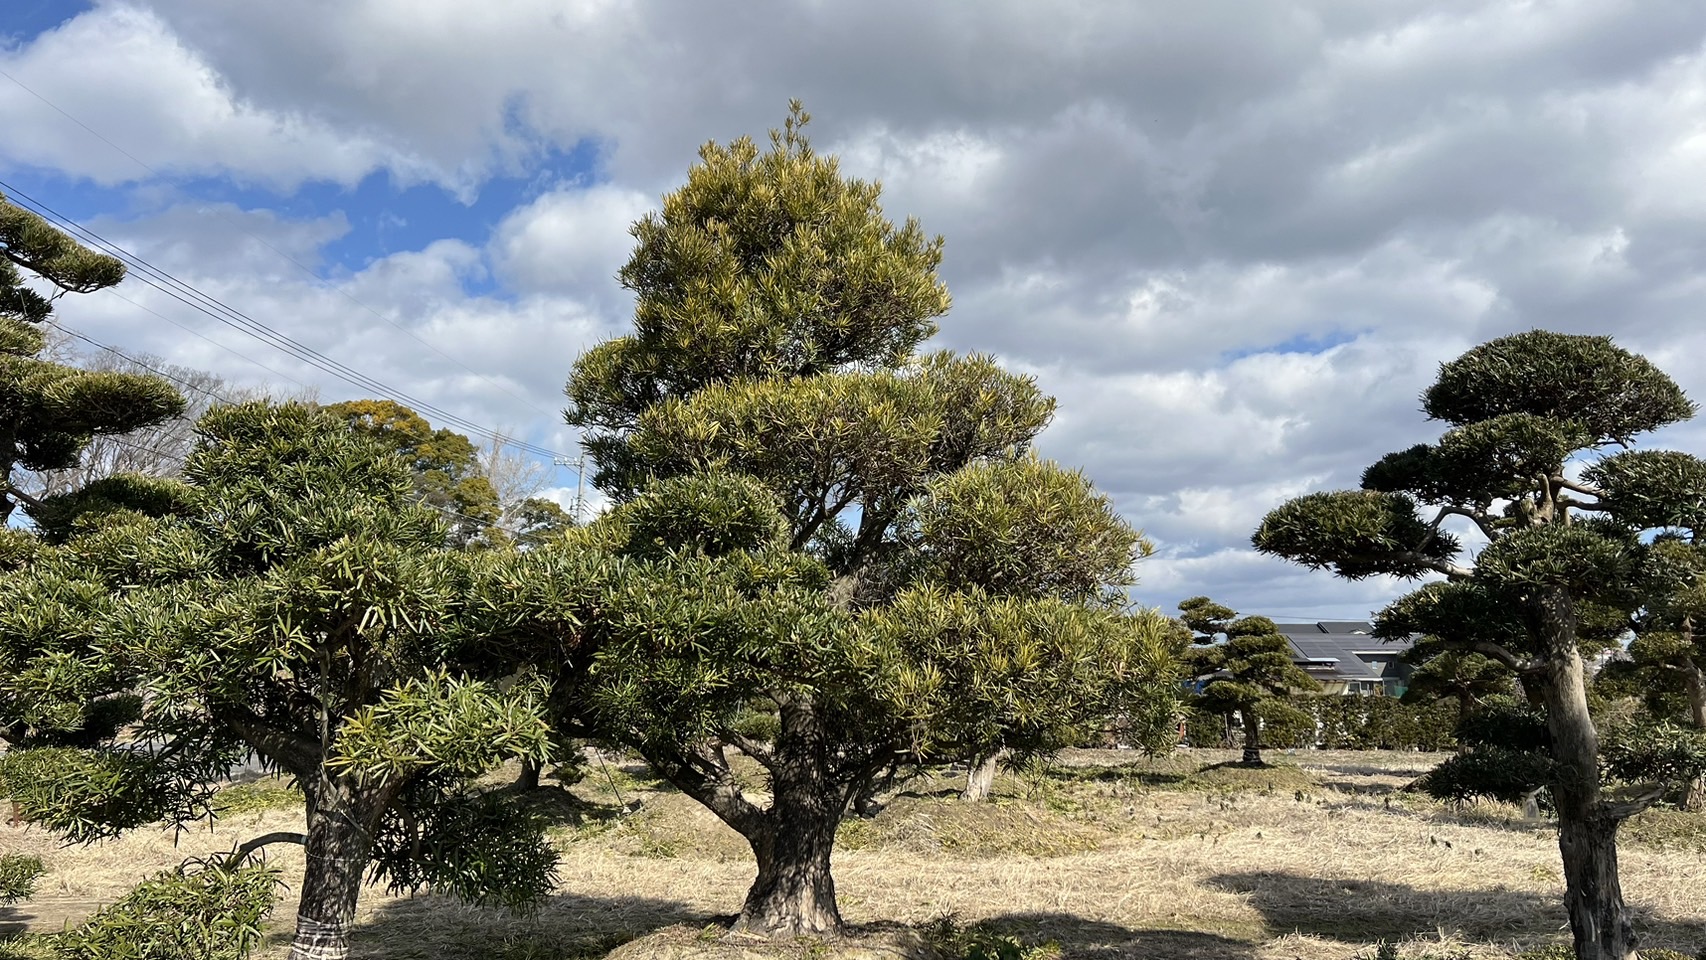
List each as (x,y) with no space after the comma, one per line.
(571,240)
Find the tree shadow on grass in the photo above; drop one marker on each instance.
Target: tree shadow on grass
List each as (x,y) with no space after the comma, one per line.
(44,915)
(1082,939)
(1369,911)
(567,927)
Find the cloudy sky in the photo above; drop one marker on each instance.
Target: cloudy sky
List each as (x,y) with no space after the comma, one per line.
(1235,239)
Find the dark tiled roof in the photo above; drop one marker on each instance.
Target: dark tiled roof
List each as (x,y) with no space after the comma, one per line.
(1346,655)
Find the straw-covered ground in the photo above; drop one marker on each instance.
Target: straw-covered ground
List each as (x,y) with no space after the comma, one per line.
(1106,855)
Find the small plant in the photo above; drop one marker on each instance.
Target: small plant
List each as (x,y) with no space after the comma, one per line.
(955,942)
(18,876)
(203,909)
(1389,951)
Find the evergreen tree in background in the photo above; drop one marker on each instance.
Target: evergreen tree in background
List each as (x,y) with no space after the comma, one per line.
(1250,672)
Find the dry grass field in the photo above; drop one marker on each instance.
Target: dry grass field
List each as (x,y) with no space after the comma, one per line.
(1109,856)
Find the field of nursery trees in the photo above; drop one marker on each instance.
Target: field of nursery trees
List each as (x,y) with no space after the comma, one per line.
(844,668)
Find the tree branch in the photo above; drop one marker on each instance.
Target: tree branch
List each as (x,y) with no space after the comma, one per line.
(250,846)
(12,490)
(698,776)
(1500,653)
(292,751)
(1481,520)
(745,744)
(1636,800)
(1584,489)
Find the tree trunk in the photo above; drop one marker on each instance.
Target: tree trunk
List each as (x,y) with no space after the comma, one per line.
(529,779)
(794,893)
(1252,737)
(980,777)
(340,823)
(1696,685)
(1587,836)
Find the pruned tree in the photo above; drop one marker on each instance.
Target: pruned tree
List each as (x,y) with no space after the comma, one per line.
(1521,412)
(49,411)
(1245,664)
(291,597)
(1462,676)
(773,440)
(154,450)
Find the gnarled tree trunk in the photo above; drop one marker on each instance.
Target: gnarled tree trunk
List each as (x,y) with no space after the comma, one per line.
(794,893)
(980,777)
(341,819)
(1587,832)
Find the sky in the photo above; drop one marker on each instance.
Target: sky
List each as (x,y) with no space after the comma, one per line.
(1234,240)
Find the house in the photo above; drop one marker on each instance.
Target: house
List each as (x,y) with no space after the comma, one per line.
(1345,657)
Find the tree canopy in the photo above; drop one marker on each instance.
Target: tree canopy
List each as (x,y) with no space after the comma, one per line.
(290,598)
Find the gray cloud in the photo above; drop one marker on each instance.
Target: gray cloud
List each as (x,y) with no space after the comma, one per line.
(1235,239)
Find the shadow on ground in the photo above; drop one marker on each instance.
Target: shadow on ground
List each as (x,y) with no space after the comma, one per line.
(567,926)
(1100,940)
(1365,911)
(44,915)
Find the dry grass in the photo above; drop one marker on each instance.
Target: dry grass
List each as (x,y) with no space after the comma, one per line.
(1321,857)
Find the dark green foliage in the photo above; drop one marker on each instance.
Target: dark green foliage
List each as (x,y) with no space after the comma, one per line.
(1653,488)
(301,604)
(1252,666)
(1654,751)
(48,411)
(1507,759)
(1285,726)
(479,847)
(90,793)
(58,518)
(817,520)
(1575,558)
(1589,381)
(18,876)
(1356,533)
(1571,565)
(710,513)
(204,910)
(1496,772)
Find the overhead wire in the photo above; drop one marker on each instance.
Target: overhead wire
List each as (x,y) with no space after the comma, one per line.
(263,242)
(165,282)
(207,393)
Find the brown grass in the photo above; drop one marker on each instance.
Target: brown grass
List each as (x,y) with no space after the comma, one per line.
(1321,856)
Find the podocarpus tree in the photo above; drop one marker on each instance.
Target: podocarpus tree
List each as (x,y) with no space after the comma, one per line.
(294,599)
(1522,412)
(1249,672)
(49,411)
(769,417)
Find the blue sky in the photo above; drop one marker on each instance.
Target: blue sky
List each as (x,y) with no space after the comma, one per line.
(1234,240)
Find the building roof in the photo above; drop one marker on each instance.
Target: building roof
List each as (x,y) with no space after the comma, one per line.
(1344,650)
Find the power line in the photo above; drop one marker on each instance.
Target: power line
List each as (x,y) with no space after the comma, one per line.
(263,242)
(185,293)
(127,442)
